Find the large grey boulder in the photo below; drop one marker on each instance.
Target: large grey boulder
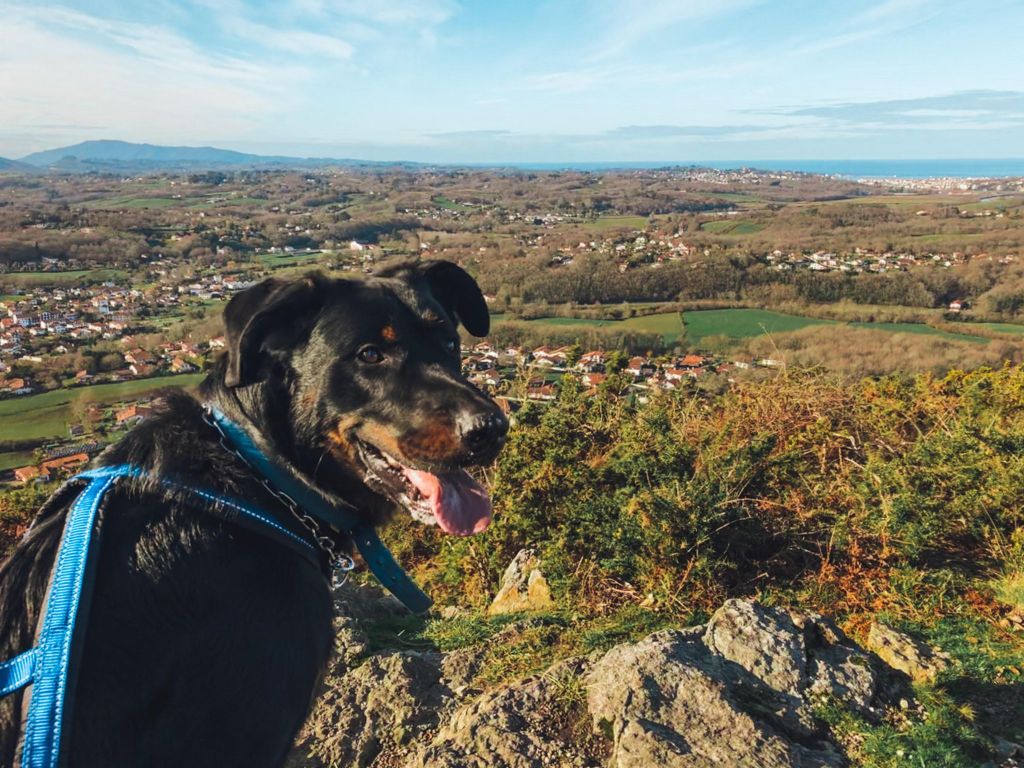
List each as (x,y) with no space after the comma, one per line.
(739,691)
(670,701)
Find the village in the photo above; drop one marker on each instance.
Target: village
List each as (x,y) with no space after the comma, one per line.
(513,375)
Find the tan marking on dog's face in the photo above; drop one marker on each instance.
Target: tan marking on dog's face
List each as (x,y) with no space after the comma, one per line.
(340,446)
(431,317)
(388,333)
(435,442)
(380,437)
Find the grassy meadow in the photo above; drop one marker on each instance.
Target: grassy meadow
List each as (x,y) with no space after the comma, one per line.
(895,499)
(47,415)
(695,326)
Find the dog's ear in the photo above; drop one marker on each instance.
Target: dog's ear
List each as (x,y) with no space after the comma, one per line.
(272,315)
(458,293)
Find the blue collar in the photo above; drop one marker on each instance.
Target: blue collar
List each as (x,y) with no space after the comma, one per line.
(343,519)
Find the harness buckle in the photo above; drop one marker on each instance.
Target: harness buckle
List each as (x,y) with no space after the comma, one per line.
(341,567)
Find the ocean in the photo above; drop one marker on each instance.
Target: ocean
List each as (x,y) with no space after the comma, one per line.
(857,169)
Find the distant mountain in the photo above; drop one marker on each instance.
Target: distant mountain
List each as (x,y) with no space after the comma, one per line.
(97,155)
(124,156)
(13,166)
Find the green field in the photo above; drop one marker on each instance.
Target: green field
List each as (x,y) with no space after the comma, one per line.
(743,323)
(47,415)
(926,330)
(58,278)
(1002,327)
(288,259)
(136,202)
(603,223)
(731,227)
(15,459)
(747,323)
(666,324)
(734,197)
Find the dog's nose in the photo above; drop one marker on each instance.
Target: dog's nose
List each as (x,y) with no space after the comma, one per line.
(484,435)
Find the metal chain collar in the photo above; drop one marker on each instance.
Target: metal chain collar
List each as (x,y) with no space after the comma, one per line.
(339,561)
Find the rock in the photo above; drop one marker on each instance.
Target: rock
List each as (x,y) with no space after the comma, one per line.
(382,705)
(521,726)
(350,643)
(767,644)
(837,668)
(674,702)
(739,691)
(365,601)
(458,668)
(523,586)
(918,660)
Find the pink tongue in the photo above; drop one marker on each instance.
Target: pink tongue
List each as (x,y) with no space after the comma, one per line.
(459,503)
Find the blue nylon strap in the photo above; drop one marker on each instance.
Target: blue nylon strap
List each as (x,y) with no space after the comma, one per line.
(16,673)
(389,573)
(44,722)
(377,556)
(207,498)
(48,666)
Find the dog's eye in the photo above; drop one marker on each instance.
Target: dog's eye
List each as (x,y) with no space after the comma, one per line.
(451,345)
(371,354)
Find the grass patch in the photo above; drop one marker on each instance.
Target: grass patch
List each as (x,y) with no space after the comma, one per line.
(667,324)
(605,223)
(743,323)
(731,227)
(1009,590)
(734,197)
(133,202)
(47,415)
(921,328)
(275,260)
(15,459)
(1003,327)
(516,645)
(61,278)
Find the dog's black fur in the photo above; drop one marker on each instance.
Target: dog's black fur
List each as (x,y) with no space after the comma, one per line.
(205,640)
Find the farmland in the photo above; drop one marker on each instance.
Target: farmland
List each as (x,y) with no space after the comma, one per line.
(745,323)
(731,227)
(47,415)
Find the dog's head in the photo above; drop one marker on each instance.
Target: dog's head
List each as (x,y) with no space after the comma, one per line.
(370,373)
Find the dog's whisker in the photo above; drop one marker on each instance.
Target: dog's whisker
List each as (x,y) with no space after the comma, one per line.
(316,469)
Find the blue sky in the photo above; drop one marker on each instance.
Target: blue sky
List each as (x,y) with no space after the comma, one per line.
(520,80)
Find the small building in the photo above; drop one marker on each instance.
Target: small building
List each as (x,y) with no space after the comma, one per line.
(27,474)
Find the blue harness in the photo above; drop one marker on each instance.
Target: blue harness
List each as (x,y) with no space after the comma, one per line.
(50,666)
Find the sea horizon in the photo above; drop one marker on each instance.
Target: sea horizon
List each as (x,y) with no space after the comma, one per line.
(962,168)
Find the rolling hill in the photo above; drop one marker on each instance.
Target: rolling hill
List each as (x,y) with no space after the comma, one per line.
(123,153)
(121,156)
(14,166)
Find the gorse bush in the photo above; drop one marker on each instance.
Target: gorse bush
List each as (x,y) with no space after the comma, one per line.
(899,494)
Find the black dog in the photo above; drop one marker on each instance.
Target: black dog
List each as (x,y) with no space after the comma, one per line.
(205,640)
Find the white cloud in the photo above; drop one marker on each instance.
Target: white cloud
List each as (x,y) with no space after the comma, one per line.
(294,41)
(129,80)
(629,23)
(387,12)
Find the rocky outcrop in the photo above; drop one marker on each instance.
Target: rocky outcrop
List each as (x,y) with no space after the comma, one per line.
(902,652)
(523,587)
(739,691)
